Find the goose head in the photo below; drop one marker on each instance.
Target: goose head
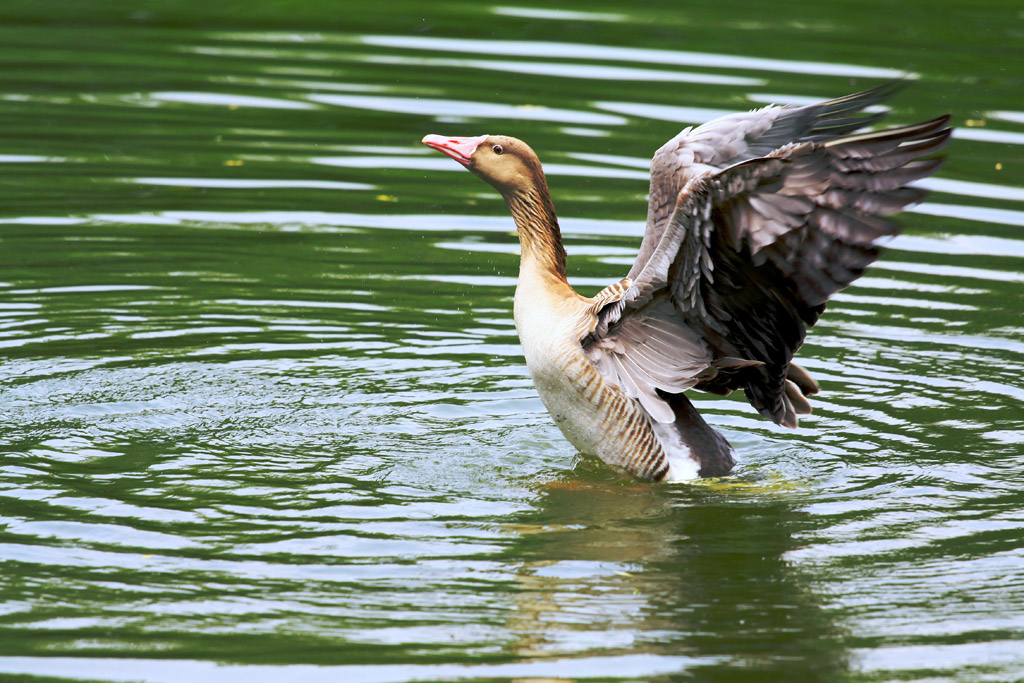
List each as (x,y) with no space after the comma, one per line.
(505,162)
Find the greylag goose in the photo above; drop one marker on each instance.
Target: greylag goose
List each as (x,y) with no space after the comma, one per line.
(755,219)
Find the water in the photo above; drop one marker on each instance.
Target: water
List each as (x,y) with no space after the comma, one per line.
(264,412)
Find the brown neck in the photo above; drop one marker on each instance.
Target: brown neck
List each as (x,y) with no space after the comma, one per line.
(539,236)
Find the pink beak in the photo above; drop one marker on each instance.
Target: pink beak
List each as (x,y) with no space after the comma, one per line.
(460,149)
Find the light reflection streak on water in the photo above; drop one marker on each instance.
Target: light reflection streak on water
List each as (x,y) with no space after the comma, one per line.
(251,184)
(174,671)
(623,54)
(963,245)
(297,85)
(939,339)
(567,70)
(1011,116)
(559,15)
(27,159)
(438,107)
(447,165)
(227,100)
(989,135)
(613,159)
(83,289)
(982,214)
(963,272)
(972,189)
(897,302)
(664,112)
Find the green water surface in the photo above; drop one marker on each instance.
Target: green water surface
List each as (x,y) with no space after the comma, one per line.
(263,413)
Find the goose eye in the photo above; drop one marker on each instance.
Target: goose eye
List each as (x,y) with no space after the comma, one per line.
(497,149)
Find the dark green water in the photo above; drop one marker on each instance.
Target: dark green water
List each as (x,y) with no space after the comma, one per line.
(264,414)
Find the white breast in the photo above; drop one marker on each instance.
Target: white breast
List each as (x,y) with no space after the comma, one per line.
(556,364)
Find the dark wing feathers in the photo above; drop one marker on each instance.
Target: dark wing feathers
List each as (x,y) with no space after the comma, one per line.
(731,139)
(750,254)
(823,120)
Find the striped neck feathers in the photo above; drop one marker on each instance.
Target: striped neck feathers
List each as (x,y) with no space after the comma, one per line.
(539,236)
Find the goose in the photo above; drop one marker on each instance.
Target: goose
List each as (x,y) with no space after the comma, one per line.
(754,221)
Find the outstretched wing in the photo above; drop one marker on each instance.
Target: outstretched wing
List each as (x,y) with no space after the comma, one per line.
(751,254)
(731,139)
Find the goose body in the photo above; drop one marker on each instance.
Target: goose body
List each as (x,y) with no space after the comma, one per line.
(754,221)
(593,414)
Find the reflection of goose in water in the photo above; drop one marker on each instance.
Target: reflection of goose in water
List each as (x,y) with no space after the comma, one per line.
(754,221)
(699,573)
